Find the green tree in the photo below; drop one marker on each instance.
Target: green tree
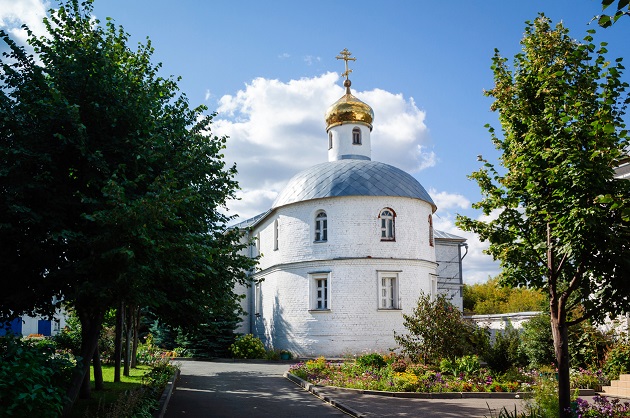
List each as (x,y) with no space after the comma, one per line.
(111,184)
(623,9)
(437,330)
(552,227)
(493,298)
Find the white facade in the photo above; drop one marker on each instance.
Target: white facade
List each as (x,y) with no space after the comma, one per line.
(346,249)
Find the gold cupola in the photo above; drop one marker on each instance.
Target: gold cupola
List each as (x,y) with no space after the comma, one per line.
(348,109)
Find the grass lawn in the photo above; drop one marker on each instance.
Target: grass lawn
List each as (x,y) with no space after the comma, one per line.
(111,392)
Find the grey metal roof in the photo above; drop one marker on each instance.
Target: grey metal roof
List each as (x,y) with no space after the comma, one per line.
(248,223)
(445,235)
(351,177)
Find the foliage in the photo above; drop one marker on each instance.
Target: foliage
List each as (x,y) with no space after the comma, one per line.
(545,398)
(588,379)
(623,8)
(436,330)
(112,185)
(558,221)
(248,347)
(33,379)
(505,351)
(213,337)
(493,298)
(414,378)
(617,360)
(537,341)
(465,366)
(601,408)
(372,360)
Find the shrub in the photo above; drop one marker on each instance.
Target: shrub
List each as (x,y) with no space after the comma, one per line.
(617,360)
(537,341)
(32,379)
(373,361)
(248,347)
(505,352)
(436,330)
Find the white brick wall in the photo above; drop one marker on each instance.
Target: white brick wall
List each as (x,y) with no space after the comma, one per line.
(353,255)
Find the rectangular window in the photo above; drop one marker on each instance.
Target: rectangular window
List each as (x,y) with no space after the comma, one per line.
(257,300)
(320,291)
(388,290)
(275,234)
(322,294)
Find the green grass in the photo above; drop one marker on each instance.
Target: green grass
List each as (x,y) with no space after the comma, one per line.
(111,392)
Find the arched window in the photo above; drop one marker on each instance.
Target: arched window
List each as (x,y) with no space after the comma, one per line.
(431,230)
(321,227)
(356,136)
(329,140)
(387,225)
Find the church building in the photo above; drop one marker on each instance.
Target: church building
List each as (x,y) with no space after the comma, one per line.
(346,248)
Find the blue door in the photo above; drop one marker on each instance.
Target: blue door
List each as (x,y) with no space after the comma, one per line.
(43,327)
(15,327)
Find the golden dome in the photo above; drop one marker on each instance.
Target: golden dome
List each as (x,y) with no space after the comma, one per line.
(349,109)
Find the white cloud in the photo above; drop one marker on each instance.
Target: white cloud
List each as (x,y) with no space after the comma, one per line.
(284,55)
(277,129)
(446,200)
(208,95)
(13,14)
(309,59)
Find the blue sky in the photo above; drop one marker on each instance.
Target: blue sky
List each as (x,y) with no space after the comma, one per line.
(269,69)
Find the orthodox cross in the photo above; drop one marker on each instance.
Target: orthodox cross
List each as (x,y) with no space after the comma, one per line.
(345,55)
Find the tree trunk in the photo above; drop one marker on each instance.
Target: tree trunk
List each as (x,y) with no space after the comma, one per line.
(118,341)
(136,328)
(560,334)
(128,336)
(85,391)
(90,330)
(98,370)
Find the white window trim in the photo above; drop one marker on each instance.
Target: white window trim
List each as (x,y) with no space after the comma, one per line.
(390,229)
(314,279)
(394,291)
(323,228)
(359,135)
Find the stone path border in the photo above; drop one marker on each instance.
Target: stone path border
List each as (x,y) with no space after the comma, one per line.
(166,395)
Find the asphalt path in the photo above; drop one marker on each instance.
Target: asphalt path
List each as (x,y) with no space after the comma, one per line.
(250,389)
(242,389)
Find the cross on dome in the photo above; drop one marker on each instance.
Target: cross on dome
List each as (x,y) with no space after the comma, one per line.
(345,55)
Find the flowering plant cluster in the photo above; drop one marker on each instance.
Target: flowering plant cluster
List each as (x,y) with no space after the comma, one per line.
(248,347)
(398,376)
(588,379)
(601,408)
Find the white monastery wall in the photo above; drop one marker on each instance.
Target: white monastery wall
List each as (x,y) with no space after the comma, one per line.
(447,255)
(353,230)
(353,322)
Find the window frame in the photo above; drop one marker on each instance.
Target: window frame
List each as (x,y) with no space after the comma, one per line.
(275,235)
(388,296)
(316,303)
(330,140)
(387,224)
(321,226)
(356,136)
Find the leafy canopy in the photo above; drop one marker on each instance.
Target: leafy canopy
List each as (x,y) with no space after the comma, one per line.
(556,218)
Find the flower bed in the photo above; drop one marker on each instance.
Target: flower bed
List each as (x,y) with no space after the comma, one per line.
(397,377)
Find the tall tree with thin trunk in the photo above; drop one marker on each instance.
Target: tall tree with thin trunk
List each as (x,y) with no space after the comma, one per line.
(554,210)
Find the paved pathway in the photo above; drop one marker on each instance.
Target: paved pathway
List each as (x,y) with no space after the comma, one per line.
(252,389)
(242,389)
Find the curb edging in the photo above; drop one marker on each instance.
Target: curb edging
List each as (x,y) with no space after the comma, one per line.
(166,395)
(313,389)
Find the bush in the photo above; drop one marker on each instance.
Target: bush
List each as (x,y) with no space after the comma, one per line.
(437,330)
(505,352)
(248,347)
(33,380)
(372,361)
(537,341)
(617,360)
